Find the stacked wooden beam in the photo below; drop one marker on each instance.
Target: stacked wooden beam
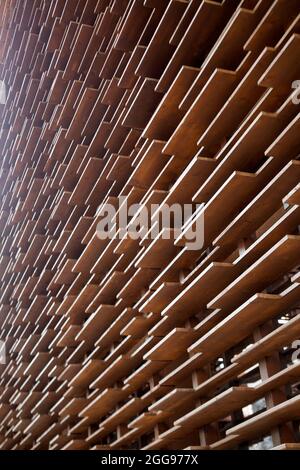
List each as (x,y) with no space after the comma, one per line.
(146,344)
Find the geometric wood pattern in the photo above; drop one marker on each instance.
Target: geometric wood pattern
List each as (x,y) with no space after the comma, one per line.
(144,344)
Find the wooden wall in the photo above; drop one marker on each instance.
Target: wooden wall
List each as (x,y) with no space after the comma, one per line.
(146,344)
